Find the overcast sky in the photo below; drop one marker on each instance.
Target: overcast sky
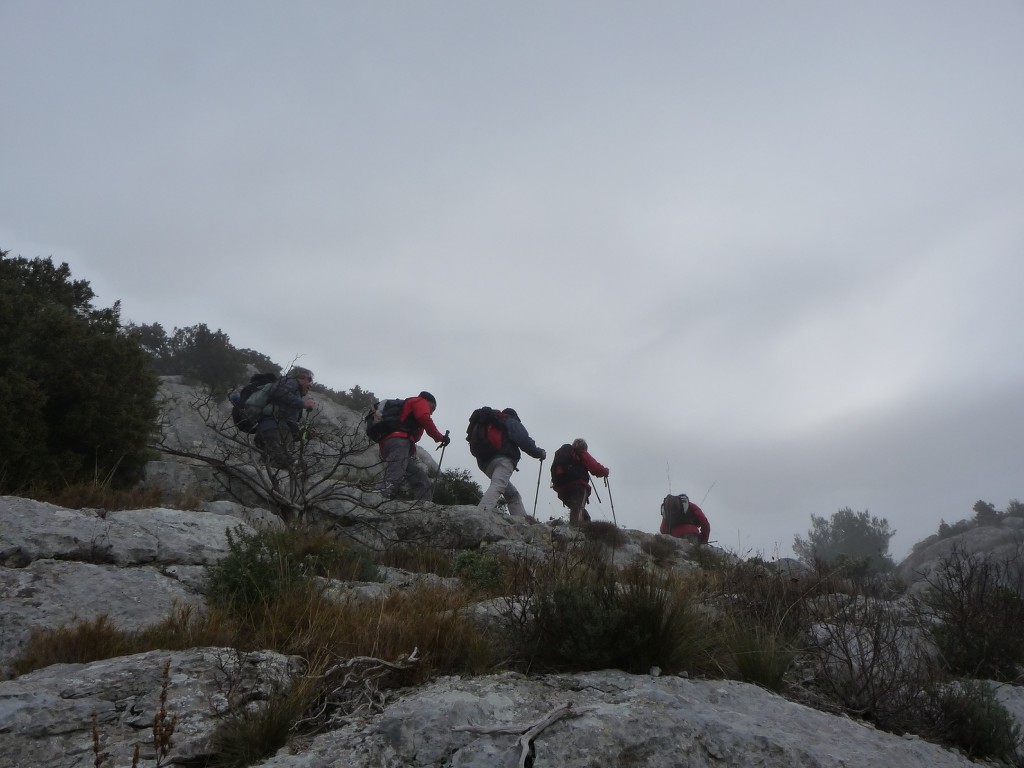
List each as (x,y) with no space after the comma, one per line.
(769,254)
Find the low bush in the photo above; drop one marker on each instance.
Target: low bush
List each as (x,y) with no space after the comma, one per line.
(481,572)
(975,608)
(967,715)
(600,619)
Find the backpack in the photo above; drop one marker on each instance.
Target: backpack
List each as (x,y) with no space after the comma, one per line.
(251,403)
(486,433)
(384,417)
(566,467)
(675,514)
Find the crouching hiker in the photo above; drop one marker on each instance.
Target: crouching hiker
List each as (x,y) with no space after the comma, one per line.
(497,440)
(683,519)
(571,469)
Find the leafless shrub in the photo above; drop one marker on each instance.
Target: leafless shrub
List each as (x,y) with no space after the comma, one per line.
(868,660)
(332,468)
(973,610)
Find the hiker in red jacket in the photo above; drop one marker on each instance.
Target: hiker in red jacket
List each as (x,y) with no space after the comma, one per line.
(683,519)
(398,448)
(571,469)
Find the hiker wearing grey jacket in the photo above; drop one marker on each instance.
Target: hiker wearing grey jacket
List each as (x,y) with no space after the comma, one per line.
(278,427)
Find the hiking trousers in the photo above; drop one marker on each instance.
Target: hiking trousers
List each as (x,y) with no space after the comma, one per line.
(401,464)
(500,470)
(575,497)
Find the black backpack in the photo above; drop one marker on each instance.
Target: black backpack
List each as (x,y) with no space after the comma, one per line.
(676,513)
(384,417)
(566,467)
(486,433)
(251,403)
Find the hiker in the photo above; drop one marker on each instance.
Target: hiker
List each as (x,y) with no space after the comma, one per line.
(571,468)
(496,439)
(398,447)
(683,519)
(278,427)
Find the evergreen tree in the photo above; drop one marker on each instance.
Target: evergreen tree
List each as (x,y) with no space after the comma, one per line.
(79,393)
(848,537)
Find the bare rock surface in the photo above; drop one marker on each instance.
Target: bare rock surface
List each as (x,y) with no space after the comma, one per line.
(46,716)
(611,719)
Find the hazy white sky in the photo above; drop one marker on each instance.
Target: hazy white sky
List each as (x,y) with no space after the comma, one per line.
(767,254)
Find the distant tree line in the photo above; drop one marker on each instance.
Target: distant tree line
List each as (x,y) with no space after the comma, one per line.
(985,514)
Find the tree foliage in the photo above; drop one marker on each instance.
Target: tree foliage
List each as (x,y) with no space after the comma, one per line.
(199,354)
(847,537)
(456,486)
(79,393)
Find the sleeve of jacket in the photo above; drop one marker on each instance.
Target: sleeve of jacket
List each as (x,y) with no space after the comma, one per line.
(702,521)
(517,434)
(594,467)
(421,412)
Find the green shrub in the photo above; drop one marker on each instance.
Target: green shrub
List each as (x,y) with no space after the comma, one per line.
(483,572)
(967,715)
(255,573)
(599,619)
(456,486)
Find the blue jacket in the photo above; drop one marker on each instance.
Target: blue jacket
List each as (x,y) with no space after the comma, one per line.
(518,440)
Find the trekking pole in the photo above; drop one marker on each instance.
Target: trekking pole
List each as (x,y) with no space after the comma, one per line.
(612,503)
(439,462)
(594,487)
(540,471)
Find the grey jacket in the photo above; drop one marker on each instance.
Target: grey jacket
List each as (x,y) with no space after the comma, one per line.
(286,405)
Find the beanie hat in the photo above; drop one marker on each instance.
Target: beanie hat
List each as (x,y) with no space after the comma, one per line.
(298,372)
(511,412)
(427,396)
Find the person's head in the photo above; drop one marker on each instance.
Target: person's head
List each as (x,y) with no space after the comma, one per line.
(511,412)
(302,375)
(579,444)
(685,500)
(430,399)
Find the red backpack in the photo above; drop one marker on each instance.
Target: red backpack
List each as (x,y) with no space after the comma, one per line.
(486,433)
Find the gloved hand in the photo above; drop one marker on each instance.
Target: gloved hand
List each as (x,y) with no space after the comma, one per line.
(606,473)
(445,440)
(543,454)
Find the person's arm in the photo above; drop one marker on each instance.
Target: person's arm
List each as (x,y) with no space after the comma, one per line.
(517,434)
(702,521)
(421,413)
(594,467)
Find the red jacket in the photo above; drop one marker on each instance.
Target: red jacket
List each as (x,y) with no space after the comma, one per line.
(701,527)
(419,409)
(592,465)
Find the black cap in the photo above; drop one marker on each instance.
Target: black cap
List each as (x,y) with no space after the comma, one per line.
(427,396)
(511,412)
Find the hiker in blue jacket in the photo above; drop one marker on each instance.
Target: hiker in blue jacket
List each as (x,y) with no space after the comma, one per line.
(499,466)
(278,428)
